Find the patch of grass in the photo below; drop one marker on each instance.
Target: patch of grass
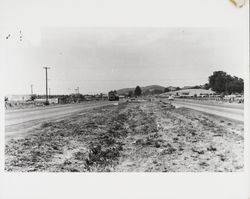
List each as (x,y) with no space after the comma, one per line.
(101,157)
(46,124)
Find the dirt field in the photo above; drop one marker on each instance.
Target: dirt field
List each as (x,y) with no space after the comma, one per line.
(131,137)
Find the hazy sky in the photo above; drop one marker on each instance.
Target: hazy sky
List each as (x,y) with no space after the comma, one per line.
(100,59)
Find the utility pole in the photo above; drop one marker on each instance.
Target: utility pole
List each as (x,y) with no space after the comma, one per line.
(46,68)
(31,86)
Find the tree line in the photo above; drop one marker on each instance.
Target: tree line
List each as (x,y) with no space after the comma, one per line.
(221,82)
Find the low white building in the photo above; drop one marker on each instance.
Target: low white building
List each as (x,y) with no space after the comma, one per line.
(121,96)
(18,97)
(189,93)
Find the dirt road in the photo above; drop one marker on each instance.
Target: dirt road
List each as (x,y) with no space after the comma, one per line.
(131,137)
(19,121)
(235,112)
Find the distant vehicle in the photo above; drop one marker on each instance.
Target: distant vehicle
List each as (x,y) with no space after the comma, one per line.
(113,96)
(239,98)
(171,98)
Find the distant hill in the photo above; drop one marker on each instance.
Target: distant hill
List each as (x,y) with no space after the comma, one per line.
(125,91)
(186,87)
(172,88)
(147,90)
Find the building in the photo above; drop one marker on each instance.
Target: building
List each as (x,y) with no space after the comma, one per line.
(189,93)
(121,96)
(18,97)
(89,97)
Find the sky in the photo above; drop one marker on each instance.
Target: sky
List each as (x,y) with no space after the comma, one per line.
(102,59)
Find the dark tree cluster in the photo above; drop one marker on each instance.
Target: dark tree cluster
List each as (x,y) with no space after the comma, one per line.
(206,86)
(138,91)
(130,93)
(196,87)
(221,82)
(166,90)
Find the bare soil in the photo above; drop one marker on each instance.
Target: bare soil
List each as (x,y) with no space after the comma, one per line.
(131,137)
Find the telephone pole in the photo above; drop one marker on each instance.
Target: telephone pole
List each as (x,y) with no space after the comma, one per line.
(77,90)
(31,86)
(46,69)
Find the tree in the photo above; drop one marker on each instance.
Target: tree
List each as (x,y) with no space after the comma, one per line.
(234,85)
(130,93)
(166,90)
(217,81)
(178,88)
(221,82)
(33,97)
(138,91)
(206,86)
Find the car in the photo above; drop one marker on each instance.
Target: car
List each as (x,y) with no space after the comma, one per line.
(171,98)
(239,98)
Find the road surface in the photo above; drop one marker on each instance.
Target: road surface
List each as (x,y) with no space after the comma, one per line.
(22,120)
(234,111)
(18,122)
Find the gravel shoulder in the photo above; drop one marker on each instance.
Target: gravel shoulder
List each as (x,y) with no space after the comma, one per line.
(130,137)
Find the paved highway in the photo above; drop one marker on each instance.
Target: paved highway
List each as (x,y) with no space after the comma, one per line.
(19,121)
(231,111)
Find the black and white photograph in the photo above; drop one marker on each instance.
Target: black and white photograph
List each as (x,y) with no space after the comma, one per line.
(134,99)
(128,99)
